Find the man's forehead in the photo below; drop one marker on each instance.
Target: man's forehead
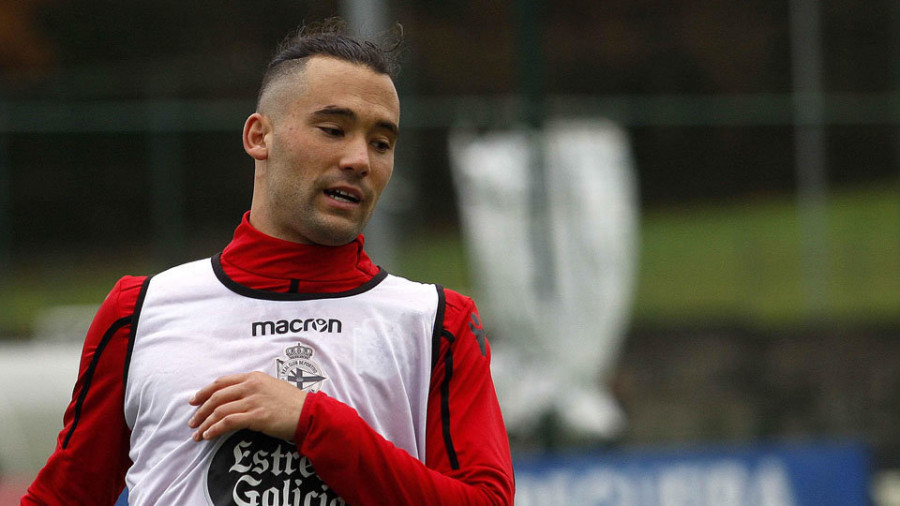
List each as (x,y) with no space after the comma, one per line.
(329,69)
(322,81)
(336,85)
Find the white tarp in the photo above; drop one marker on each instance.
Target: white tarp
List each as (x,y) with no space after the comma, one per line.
(556,342)
(38,379)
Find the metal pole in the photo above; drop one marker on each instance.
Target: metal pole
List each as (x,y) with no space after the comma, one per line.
(166,156)
(895,81)
(5,213)
(809,136)
(365,17)
(530,66)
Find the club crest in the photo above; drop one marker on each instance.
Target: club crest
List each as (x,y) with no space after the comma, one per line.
(297,366)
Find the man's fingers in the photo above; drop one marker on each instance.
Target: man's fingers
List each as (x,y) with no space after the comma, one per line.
(223,382)
(215,400)
(213,428)
(222,415)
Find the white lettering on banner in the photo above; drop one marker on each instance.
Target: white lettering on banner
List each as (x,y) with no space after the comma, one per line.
(678,485)
(725,483)
(773,484)
(719,483)
(604,484)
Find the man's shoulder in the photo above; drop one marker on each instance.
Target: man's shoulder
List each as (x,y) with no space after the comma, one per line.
(127,289)
(452,299)
(459,311)
(462,320)
(456,306)
(201,263)
(456,301)
(131,282)
(120,302)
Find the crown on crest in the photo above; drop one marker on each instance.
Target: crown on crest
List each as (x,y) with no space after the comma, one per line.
(298,351)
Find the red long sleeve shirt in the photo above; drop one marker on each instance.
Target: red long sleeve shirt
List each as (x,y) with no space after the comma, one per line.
(467,450)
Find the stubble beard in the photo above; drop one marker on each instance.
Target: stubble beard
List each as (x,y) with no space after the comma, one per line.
(318,226)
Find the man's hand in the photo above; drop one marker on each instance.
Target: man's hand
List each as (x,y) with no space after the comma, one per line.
(253,401)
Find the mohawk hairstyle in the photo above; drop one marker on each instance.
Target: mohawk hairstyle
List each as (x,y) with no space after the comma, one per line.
(330,38)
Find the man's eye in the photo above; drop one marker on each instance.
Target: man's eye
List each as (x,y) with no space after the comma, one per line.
(382,146)
(333,131)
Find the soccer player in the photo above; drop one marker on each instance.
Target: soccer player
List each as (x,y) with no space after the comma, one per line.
(289,369)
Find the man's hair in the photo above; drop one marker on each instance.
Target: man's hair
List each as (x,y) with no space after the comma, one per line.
(330,38)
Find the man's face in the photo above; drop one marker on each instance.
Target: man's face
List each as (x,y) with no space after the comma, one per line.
(329,153)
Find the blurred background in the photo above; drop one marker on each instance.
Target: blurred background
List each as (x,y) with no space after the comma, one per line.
(760,307)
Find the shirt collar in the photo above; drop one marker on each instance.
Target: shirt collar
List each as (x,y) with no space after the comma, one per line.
(265,256)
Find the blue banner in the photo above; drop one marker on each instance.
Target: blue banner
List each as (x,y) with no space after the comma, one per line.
(813,474)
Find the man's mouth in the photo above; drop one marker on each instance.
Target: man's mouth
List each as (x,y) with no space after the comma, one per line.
(343,196)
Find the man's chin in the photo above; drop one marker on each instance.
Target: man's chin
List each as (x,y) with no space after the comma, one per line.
(335,236)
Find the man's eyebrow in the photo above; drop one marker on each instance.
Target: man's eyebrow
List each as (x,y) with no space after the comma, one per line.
(333,110)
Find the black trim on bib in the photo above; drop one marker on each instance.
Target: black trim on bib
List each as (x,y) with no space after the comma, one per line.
(438,327)
(439,334)
(266,295)
(445,402)
(89,373)
(135,318)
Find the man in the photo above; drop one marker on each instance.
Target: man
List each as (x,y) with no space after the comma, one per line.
(289,369)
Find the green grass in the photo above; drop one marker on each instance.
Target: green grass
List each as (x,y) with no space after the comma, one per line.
(436,258)
(732,262)
(46,280)
(744,261)
(741,262)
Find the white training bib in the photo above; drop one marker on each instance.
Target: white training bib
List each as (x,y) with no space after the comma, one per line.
(369,348)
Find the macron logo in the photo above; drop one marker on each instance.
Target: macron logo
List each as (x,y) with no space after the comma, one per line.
(296,325)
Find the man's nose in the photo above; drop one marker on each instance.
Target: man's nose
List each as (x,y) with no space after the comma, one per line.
(356,156)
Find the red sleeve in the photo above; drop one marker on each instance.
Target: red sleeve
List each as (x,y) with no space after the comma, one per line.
(91,457)
(467,450)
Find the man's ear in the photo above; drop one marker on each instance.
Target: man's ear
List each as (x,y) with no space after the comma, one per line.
(256,131)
